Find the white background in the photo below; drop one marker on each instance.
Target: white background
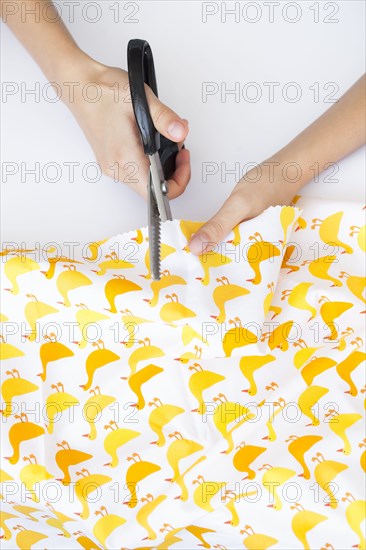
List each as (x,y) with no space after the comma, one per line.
(188,53)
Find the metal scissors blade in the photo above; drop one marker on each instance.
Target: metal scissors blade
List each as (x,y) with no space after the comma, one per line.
(154,227)
(158,211)
(160,187)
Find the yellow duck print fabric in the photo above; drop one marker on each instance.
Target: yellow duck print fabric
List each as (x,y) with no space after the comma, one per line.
(221,407)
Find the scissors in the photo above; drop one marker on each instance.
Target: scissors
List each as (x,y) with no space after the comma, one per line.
(160,150)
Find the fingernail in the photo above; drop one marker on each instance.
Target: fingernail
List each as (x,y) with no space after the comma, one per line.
(196,244)
(176,130)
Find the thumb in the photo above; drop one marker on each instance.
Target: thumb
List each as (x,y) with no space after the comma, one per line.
(219,226)
(166,121)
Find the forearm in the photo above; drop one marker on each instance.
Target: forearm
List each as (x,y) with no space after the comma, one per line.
(336,133)
(41,31)
(106,118)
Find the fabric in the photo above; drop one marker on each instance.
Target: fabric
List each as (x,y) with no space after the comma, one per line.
(220,407)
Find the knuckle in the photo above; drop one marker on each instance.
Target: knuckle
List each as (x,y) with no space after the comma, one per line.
(115,168)
(215,229)
(110,169)
(160,114)
(105,167)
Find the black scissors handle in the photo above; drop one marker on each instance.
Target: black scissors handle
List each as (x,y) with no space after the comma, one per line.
(141,71)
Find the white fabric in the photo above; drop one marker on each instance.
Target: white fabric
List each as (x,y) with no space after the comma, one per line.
(285,348)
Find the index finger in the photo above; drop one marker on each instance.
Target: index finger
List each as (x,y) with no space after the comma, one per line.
(182,174)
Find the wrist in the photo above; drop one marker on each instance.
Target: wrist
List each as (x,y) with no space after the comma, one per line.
(76,67)
(76,82)
(275,181)
(290,170)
